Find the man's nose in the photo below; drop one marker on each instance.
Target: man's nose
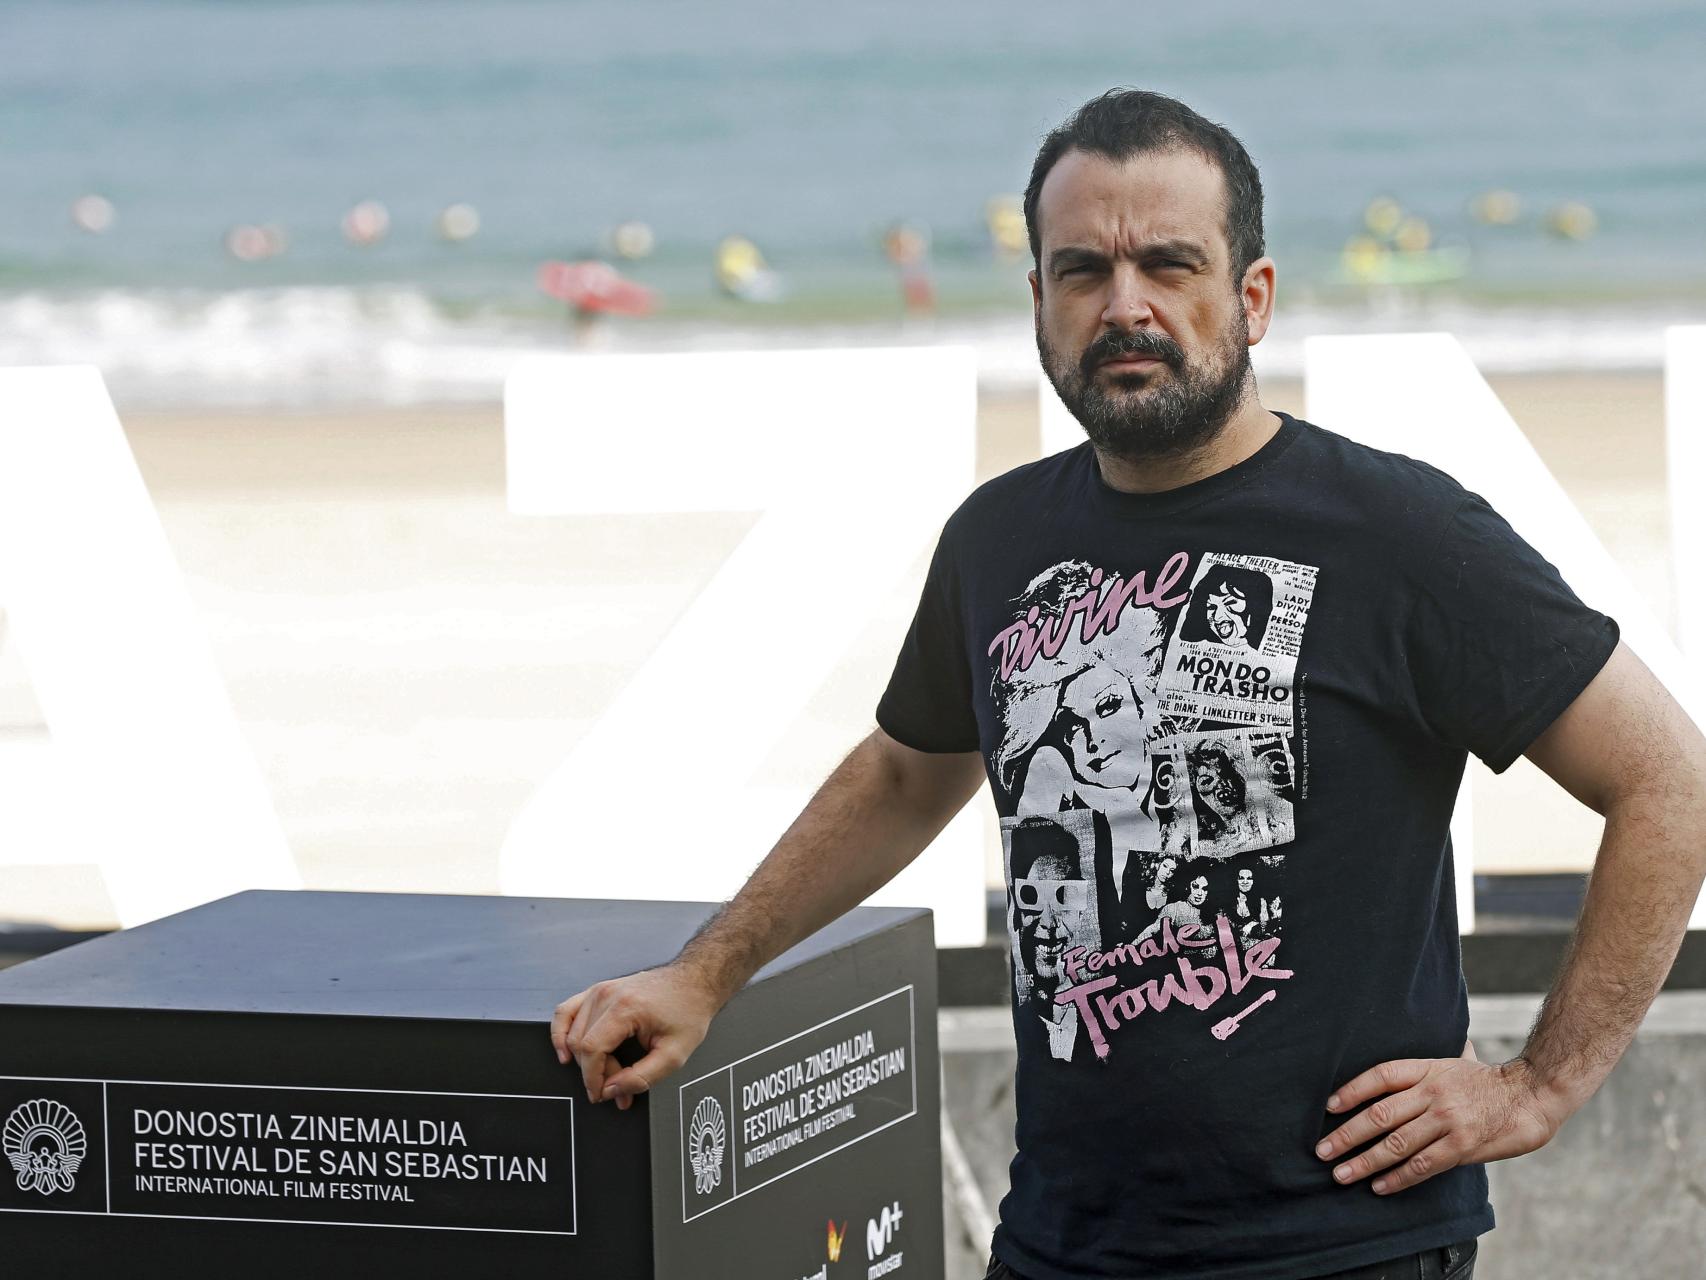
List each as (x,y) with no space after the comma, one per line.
(1127,304)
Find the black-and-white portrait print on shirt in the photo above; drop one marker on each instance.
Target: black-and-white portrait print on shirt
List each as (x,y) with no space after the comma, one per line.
(1230,606)
(1052,907)
(1077,722)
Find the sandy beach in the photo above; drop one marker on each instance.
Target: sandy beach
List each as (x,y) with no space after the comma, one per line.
(407,659)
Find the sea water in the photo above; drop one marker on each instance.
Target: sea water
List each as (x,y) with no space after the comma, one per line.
(809,129)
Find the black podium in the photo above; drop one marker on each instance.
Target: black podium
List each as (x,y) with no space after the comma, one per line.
(355,1084)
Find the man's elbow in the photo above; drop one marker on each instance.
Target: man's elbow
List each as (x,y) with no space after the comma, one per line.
(928,779)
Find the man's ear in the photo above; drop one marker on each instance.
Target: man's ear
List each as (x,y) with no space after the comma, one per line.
(1256,296)
(1036,296)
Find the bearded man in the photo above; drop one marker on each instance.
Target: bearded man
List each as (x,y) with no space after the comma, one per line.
(1344,1128)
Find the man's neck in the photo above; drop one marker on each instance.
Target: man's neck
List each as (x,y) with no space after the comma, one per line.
(1245,431)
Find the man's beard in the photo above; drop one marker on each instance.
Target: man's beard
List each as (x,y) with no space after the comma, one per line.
(1182,411)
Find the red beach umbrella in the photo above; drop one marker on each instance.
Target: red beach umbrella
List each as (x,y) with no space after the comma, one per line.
(595,287)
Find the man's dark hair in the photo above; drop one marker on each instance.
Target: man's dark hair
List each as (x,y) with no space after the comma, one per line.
(1127,122)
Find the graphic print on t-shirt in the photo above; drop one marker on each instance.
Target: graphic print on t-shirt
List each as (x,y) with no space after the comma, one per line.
(1145,776)
(1236,651)
(1053,908)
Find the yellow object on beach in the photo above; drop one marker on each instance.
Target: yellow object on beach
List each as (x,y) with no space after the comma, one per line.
(742,272)
(1572,220)
(1005,216)
(1497,208)
(1382,215)
(1362,257)
(737,258)
(1366,260)
(1412,235)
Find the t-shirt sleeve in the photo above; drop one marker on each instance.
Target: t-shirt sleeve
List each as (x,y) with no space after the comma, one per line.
(927,705)
(1498,643)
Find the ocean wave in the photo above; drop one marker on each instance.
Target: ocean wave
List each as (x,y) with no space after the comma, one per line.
(317,346)
(291,346)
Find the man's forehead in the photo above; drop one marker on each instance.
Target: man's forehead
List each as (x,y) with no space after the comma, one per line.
(1172,194)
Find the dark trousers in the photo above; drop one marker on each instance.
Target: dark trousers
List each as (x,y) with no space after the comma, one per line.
(1448,1262)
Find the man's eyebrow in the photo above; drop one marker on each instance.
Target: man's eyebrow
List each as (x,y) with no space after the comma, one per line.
(1075,254)
(1188,250)
(1072,254)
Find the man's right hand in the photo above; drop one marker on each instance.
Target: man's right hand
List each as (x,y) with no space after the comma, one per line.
(883,804)
(667,1009)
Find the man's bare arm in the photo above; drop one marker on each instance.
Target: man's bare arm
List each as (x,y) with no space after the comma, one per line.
(1628,751)
(879,809)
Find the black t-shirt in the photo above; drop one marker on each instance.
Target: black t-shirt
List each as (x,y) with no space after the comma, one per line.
(1224,727)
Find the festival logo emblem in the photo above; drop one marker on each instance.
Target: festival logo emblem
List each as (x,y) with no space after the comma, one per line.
(706,1139)
(835,1240)
(45,1144)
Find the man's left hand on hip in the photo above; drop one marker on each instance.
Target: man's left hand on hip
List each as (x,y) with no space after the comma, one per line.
(1437,1113)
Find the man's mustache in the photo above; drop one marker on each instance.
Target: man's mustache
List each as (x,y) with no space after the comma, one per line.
(1140,342)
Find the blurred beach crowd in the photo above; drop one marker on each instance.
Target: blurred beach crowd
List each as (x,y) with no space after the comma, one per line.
(370,202)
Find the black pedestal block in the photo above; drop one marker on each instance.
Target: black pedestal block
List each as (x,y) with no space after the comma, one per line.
(351,1084)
